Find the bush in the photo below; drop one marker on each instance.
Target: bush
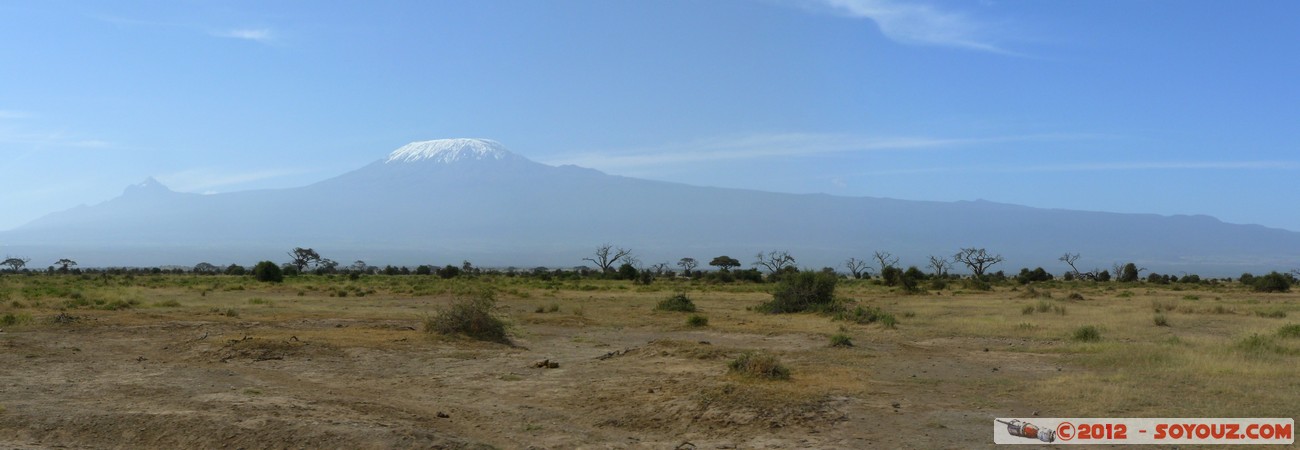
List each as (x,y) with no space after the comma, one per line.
(803,291)
(867,315)
(1273,282)
(1289,331)
(751,275)
(841,340)
(1027,276)
(448,271)
(627,272)
(470,317)
(679,302)
(976,284)
(268,271)
(1160,320)
(1087,333)
(697,320)
(759,365)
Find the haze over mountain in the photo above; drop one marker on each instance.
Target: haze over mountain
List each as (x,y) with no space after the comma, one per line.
(443,201)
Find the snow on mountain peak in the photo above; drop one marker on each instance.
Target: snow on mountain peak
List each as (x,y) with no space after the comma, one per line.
(450,150)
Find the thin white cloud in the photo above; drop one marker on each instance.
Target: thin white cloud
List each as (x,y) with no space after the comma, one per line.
(772,145)
(1105,167)
(9,114)
(919,23)
(49,139)
(262,35)
(208,180)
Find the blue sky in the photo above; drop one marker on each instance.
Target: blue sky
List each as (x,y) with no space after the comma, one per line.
(1168,107)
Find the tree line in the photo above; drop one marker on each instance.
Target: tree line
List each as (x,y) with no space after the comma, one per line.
(612,262)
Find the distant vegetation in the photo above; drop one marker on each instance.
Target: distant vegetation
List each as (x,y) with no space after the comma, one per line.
(795,289)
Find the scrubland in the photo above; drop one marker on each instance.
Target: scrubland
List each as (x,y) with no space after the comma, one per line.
(181,361)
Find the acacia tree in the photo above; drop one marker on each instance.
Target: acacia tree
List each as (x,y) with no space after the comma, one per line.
(940,264)
(725,262)
(886,260)
(856,267)
(205,267)
(64,264)
(327,265)
(660,268)
(1130,273)
(15,264)
(775,260)
(977,259)
(1069,259)
(687,264)
(302,257)
(606,255)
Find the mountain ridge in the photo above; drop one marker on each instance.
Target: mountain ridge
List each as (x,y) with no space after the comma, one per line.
(449,200)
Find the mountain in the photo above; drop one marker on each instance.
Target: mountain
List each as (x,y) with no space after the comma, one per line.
(443,201)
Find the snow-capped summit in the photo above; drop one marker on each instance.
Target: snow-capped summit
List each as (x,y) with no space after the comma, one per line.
(450,150)
(148,185)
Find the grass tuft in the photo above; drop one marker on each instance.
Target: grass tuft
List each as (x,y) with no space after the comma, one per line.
(841,340)
(1087,333)
(759,365)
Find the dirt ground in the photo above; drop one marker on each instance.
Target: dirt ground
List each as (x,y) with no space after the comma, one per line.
(294,371)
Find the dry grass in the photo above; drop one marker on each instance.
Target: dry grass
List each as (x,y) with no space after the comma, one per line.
(1219,352)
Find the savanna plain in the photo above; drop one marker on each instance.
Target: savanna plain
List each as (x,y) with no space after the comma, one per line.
(217,361)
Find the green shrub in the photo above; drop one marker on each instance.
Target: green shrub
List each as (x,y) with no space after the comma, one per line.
(269,272)
(471,317)
(976,284)
(1289,331)
(1087,333)
(759,365)
(697,320)
(1258,344)
(803,291)
(858,315)
(1160,320)
(841,340)
(888,321)
(678,302)
(1273,282)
